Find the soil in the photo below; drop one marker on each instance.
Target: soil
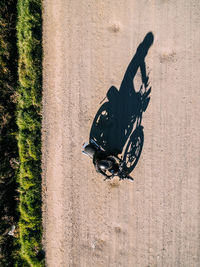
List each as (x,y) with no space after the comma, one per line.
(155,220)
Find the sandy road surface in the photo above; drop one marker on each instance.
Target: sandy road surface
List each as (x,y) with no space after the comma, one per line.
(154,221)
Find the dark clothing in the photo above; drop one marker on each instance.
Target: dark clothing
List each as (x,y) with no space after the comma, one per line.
(100,155)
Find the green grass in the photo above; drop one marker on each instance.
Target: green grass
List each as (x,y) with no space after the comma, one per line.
(29,33)
(20,133)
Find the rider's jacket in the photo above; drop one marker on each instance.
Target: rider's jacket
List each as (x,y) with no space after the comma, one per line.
(98,157)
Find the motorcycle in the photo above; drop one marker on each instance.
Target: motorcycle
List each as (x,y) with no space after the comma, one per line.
(89,149)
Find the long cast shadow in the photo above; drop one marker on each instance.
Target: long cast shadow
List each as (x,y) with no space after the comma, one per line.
(117,125)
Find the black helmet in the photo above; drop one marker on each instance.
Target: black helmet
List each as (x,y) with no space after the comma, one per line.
(104,164)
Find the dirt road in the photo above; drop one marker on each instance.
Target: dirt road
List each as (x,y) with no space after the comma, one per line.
(155,220)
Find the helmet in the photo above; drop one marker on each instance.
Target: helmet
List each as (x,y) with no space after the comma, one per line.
(104,164)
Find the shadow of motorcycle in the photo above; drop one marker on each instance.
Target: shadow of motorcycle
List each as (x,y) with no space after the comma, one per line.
(117,126)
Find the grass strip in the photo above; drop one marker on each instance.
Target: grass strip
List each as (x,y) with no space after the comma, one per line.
(29,34)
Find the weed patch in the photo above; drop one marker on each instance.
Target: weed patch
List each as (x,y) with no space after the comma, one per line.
(29,33)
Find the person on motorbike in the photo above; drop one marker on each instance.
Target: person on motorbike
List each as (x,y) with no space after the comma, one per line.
(104,163)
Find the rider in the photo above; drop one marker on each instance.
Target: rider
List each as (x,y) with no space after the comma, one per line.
(104,163)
